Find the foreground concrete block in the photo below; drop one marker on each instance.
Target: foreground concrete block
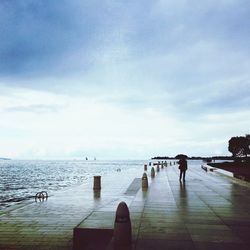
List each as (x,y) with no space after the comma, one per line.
(91,238)
(95,232)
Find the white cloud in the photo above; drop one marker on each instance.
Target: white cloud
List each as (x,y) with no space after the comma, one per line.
(97,126)
(80,123)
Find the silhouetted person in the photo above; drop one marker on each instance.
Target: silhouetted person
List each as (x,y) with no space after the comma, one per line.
(183,167)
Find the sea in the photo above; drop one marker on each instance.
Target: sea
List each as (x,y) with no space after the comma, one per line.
(21,179)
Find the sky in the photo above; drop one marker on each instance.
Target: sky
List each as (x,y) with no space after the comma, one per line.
(117,79)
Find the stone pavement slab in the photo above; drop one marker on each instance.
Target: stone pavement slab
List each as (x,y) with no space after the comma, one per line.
(207,211)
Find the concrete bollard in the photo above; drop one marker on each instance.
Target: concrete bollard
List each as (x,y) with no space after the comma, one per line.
(144,181)
(152,172)
(122,228)
(145,167)
(97,194)
(97,182)
(157,168)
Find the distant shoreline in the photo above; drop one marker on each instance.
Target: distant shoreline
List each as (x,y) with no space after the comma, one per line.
(194,158)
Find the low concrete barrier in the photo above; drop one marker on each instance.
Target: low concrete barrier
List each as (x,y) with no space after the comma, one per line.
(204,167)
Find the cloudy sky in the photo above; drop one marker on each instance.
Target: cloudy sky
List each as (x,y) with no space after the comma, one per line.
(117,79)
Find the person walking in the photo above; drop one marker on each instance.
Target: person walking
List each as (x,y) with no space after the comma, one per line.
(183,168)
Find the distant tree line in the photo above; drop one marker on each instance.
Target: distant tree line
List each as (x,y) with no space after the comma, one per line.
(193,157)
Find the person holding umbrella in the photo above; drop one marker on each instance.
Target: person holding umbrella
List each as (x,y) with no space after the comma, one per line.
(183,168)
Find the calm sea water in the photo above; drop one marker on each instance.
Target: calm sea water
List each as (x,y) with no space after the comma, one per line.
(21,180)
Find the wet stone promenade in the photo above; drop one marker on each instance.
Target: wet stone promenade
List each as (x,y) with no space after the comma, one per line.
(208,211)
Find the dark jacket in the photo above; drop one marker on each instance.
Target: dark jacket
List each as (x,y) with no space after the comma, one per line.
(183,164)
